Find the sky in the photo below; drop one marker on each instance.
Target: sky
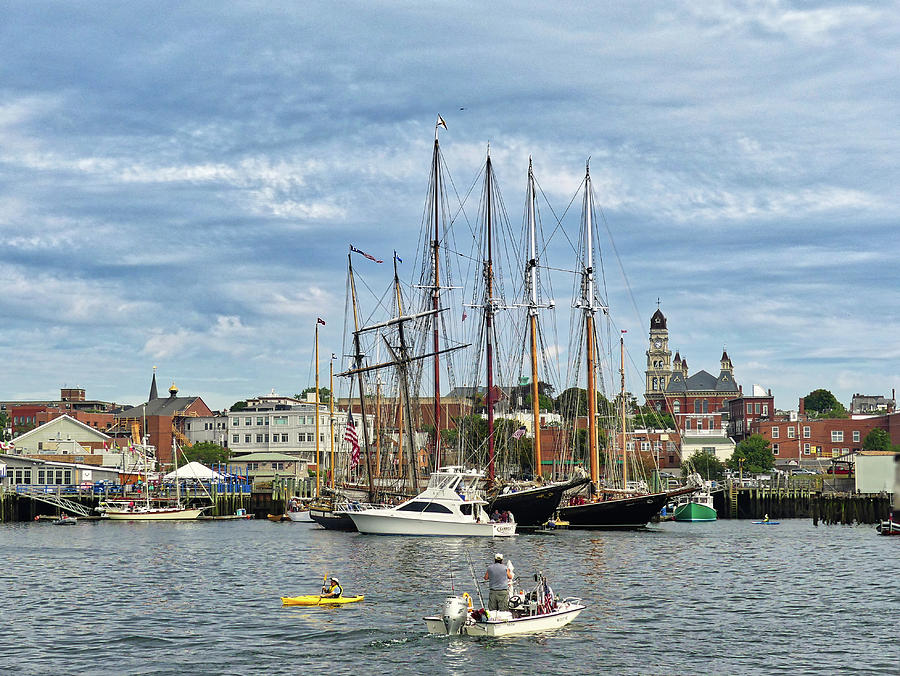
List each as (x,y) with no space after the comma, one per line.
(179,182)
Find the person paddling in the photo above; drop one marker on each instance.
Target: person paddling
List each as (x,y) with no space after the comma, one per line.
(766,518)
(332,590)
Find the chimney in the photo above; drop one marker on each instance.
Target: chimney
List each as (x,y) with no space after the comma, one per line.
(802,410)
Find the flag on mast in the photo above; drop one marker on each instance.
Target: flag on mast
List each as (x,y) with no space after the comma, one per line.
(440,122)
(321,321)
(369,256)
(519,433)
(351,437)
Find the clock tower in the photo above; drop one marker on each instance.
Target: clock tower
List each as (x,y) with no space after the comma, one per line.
(659,358)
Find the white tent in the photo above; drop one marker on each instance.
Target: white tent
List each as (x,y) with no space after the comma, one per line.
(193,470)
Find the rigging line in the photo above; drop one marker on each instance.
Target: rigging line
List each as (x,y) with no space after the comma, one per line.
(619,260)
(558,219)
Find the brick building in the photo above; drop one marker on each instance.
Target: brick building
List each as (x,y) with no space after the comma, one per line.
(26,415)
(747,409)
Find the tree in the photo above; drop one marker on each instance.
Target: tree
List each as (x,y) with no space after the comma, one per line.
(324,394)
(5,424)
(545,402)
(823,402)
(238,406)
(572,403)
(877,440)
(206,452)
(756,454)
(706,465)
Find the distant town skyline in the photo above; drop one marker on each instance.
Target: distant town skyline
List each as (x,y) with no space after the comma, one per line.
(185,198)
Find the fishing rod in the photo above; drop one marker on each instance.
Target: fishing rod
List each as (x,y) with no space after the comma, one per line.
(475,580)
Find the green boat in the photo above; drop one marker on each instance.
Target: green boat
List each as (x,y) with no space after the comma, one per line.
(696,507)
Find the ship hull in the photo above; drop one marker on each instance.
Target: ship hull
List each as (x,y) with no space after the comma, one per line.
(622,513)
(533,507)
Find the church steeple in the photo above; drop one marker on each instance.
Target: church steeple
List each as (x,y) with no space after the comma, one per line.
(153,393)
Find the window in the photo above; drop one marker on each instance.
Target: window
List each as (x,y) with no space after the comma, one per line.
(655,385)
(413,507)
(697,406)
(790,432)
(280,420)
(749,409)
(774,449)
(278,465)
(855,436)
(235,438)
(756,407)
(645,445)
(252,466)
(266,440)
(284,438)
(40,476)
(706,405)
(259,438)
(259,420)
(837,435)
(775,433)
(699,424)
(687,424)
(439,509)
(676,407)
(235,422)
(765,410)
(247,438)
(248,421)
(806,449)
(806,432)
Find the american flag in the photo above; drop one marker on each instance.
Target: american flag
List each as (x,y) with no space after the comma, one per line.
(519,433)
(369,256)
(351,436)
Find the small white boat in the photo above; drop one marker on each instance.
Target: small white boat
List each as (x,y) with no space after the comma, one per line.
(297,511)
(128,510)
(537,611)
(65,520)
(450,506)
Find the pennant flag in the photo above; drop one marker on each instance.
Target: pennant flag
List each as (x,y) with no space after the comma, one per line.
(519,433)
(369,256)
(464,315)
(399,260)
(351,436)
(321,321)
(440,122)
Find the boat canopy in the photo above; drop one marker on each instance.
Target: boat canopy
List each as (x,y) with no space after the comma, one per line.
(193,470)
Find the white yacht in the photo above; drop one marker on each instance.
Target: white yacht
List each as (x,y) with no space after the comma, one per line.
(451,505)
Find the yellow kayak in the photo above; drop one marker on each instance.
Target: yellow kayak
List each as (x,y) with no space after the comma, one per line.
(318,600)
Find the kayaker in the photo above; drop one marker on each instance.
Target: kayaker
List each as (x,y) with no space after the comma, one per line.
(332,590)
(498,576)
(766,518)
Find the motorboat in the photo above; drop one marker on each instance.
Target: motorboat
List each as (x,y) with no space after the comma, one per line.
(65,520)
(534,612)
(450,505)
(297,511)
(696,506)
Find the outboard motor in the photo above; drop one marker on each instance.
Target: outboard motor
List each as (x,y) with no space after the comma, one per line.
(454,614)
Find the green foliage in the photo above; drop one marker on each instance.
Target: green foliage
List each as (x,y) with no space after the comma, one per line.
(824,404)
(877,440)
(5,423)
(545,402)
(238,406)
(706,465)
(572,403)
(324,394)
(648,416)
(756,454)
(206,452)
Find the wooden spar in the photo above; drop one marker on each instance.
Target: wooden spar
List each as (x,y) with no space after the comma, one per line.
(358,357)
(435,299)
(378,427)
(386,364)
(400,412)
(589,309)
(489,321)
(331,415)
(318,474)
(622,396)
(531,280)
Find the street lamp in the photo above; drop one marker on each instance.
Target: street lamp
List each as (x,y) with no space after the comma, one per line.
(741,469)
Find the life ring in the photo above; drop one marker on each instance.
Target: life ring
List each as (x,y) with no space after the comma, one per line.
(468,599)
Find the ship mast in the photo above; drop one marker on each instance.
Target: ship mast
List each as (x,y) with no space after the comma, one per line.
(531,286)
(489,315)
(318,464)
(589,307)
(436,291)
(402,363)
(358,358)
(622,396)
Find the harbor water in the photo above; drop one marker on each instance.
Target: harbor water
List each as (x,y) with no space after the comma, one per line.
(679,598)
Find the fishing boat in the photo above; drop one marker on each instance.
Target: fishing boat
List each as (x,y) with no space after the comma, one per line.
(697,506)
(537,611)
(151,509)
(449,506)
(316,600)
(891,526)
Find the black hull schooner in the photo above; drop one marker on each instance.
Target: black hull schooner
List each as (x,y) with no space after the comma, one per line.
(621,513)
(533,507)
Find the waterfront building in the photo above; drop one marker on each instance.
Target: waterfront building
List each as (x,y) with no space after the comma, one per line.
(20,470)
(266,466)
(696,402)
(207,429)
(869,404)
(746,409)
(284,425)
(26,415)
(161,420)
(63,435)
(807,441)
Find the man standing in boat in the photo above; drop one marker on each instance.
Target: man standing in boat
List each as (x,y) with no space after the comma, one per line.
(498,576)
